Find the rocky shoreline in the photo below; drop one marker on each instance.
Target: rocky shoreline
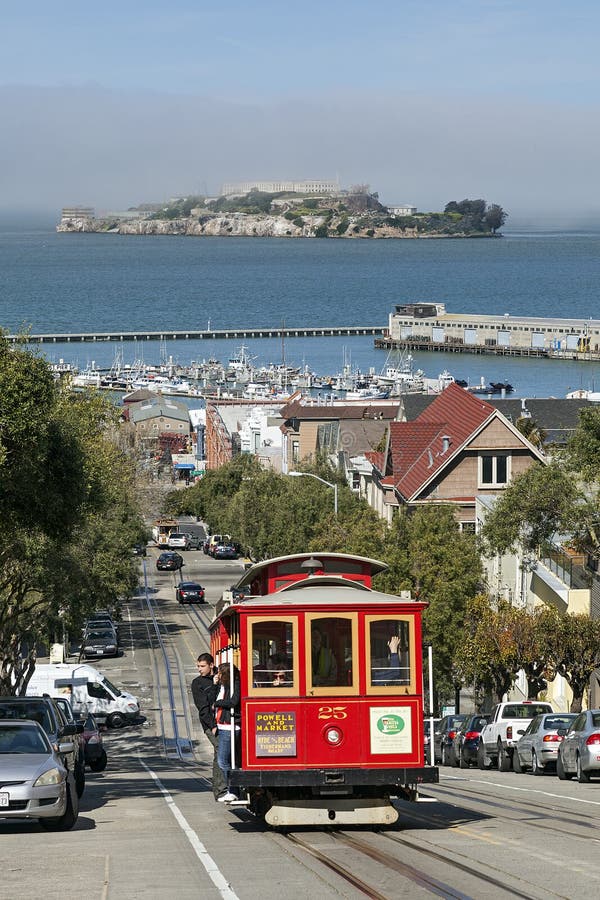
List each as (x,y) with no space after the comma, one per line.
(244,225)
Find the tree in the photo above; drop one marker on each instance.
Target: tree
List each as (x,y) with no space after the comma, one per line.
(530,510)
(575,650)
(430,556)
(486,655)
(66,505)
(495,217)
(530,429)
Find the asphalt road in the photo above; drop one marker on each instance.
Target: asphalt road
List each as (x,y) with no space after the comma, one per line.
(149,826)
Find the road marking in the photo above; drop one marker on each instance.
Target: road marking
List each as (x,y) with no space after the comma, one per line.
(510,787)
(212,869)
(480,837)
(106,878)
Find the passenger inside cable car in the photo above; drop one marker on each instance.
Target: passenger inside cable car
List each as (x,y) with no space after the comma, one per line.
(390,652)
(273,654)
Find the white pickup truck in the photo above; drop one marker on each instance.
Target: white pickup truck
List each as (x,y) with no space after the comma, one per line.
(507,723)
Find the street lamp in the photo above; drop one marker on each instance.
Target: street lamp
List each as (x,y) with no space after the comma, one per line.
(323,481)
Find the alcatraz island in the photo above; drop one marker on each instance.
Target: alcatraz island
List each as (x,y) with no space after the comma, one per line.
(310,209)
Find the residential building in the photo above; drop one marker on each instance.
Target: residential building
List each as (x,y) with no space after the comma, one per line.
(232,429)
(153,418)
(556,417)
(458,447)
(311,427)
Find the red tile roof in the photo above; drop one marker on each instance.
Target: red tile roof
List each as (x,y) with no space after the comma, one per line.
(418,450)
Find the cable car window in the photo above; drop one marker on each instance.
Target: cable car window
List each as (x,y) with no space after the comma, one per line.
(331,651)
(389,641)
(272,654)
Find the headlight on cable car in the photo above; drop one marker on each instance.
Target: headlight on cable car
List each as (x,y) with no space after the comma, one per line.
(333,736)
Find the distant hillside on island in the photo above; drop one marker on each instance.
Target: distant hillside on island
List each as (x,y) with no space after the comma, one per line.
(356,213)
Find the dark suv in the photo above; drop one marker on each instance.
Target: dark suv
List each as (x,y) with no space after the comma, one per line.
(169,561)
(63,734)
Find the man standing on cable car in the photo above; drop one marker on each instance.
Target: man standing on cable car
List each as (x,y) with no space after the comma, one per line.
(324,665)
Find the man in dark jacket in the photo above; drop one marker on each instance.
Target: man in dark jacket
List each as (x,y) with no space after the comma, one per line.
(204,692)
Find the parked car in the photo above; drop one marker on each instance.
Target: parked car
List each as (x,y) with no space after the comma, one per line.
(178,540)
(466,741)
(443,737)
(169,561)
(94,752)
(217,540)
(101,625)
(225,551)
(189,592)
(139,550)
(579,752)
(427,738)
(62,734)
(66,709)
(34,783)
(195,541)
(99,643)
(537,748)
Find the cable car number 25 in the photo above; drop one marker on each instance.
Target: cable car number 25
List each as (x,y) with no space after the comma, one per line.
(332,712)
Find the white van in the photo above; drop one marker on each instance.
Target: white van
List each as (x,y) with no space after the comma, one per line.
(88,690)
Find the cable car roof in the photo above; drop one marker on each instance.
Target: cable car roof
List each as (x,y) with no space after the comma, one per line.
(323,591)
(375,565)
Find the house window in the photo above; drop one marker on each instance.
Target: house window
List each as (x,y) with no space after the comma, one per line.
(494,469)
(295,451)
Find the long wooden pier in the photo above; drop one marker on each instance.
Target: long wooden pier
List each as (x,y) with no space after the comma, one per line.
(204,335)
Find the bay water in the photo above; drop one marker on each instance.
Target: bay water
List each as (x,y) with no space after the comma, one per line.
(60,283)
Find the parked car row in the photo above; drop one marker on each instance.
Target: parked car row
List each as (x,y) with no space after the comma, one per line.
(567,744)
(43,754)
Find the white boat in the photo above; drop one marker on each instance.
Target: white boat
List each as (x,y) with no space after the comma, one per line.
(87,378)
(367,393)
(592,396)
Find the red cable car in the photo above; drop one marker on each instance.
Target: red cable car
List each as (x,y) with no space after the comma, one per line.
(331,690)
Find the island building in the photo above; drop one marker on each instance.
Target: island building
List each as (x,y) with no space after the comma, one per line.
(405,209)
(233,188)
(427,326)
(76,213)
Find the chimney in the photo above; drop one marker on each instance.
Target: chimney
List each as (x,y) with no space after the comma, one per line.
(445,443)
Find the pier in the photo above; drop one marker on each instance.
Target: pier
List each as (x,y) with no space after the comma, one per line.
(428,326)
(199,335)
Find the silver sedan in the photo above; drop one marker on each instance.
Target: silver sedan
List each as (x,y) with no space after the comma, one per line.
(579,752)
(538,746)
(33,782)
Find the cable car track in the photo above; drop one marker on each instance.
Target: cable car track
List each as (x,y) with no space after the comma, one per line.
(416,876)
(175,746)
(528,807)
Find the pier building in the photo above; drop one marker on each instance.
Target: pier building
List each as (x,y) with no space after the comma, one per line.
(428,326)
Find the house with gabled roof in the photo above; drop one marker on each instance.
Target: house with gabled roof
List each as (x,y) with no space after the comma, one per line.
(458,447)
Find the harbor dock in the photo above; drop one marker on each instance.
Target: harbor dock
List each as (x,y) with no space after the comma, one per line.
(200,335)
(427,326)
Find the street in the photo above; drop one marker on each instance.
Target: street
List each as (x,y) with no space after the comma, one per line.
(149,825)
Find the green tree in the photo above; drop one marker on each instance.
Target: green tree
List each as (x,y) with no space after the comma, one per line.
(531,509)
(430,556)
(530,429)
(486,655)
(495,217)
(575,650)
(61,481)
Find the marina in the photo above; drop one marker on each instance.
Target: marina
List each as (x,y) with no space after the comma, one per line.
(241,379)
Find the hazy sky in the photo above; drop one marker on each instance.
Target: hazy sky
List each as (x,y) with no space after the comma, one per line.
(115,103)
